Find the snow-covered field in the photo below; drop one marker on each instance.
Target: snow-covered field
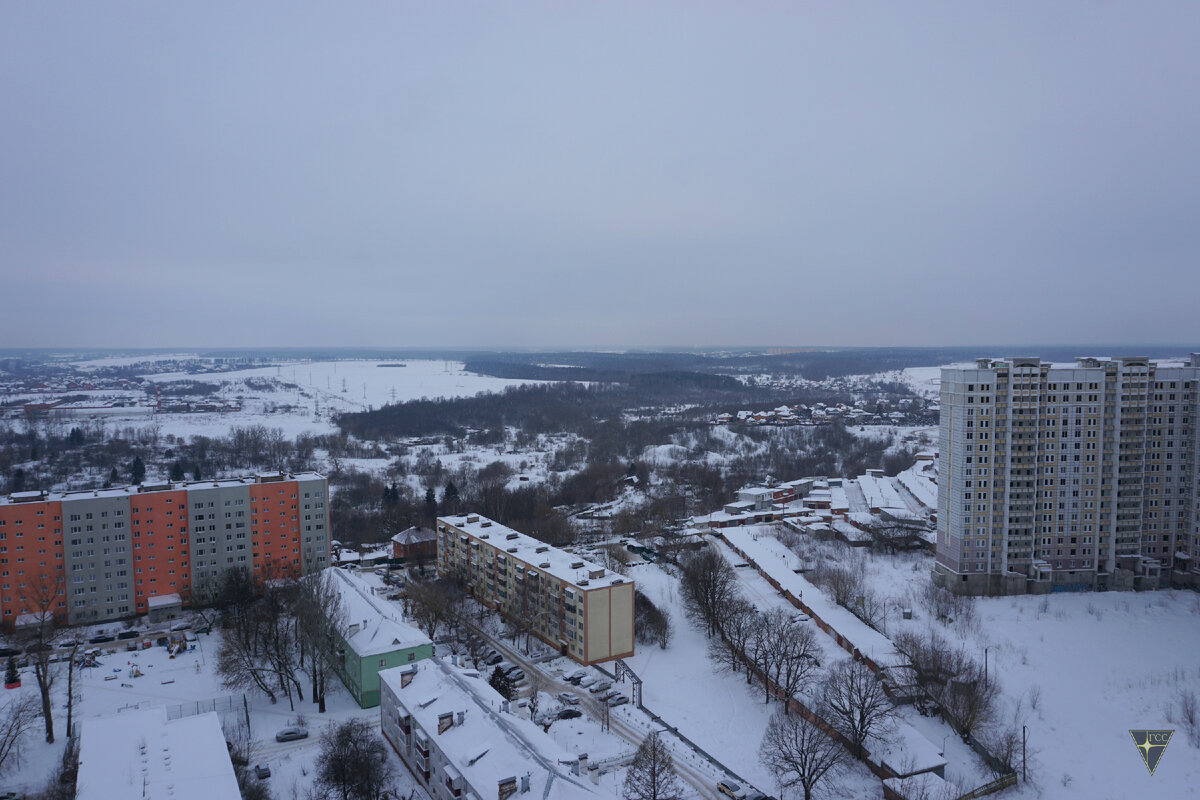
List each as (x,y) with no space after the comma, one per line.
(1095,665)
(296,397)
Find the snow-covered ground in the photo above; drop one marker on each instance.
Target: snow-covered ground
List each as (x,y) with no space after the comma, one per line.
(1096,665)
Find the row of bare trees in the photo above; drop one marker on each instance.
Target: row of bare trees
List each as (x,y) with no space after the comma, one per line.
(848,701)
(275,640)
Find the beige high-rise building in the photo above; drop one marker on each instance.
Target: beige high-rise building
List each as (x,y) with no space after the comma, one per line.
(1061,477)
(579,608)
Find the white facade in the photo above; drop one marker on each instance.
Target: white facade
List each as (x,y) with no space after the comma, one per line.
(1068,476)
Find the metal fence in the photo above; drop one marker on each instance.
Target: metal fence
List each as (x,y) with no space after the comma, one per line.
(221,705)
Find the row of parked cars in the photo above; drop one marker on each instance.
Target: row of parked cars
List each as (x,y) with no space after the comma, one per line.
(597,686)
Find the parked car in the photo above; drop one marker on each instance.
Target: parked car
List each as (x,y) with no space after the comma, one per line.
(617,700)
(602,686)
(291,734)
(181,626)
(262,771)
(588,681)
(569,713)
(732,790)
(576,676)
(516,675)
(129,634)
(568,698)
(5,652)
(493,659)
(761,796)
(104,637)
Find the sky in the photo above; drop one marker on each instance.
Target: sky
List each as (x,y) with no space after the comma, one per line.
(560,175)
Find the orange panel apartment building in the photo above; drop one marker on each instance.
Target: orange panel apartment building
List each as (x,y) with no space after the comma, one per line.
(110,553)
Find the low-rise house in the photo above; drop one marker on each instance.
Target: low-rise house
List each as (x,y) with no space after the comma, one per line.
(140,754)
(415,543)
(374,637)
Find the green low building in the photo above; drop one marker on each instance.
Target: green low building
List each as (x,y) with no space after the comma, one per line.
(374,636)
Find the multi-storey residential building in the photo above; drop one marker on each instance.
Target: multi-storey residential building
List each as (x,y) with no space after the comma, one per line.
(1058,477)
(450,729)
(573,605)
(103,554)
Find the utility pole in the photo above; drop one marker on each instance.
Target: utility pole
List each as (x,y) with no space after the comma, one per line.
(985,666)
(1024,767)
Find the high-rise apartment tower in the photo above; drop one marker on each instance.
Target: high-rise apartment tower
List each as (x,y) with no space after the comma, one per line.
(1057,477)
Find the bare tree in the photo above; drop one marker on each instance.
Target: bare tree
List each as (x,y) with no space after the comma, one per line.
(799,753)
(709,584)
(431,605)
(797,658)
(42,595)
(321,614)
(260,648)
(738,622)
(17,719)
(651,776)
(352,763)
(890,536)
(854,702)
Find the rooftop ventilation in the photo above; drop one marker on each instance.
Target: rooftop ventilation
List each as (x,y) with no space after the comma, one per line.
(472,518)
(512,536)
(576,565)
(512,549)
(487,523)
(544,565)
(541,549)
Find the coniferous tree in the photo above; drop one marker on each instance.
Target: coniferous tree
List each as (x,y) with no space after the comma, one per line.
(177,473)
(431,506)
(10,673)
(113,478)
(503,684)
(450,497)
(137,470)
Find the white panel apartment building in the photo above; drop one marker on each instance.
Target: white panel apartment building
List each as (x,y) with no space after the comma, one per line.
(1068,476)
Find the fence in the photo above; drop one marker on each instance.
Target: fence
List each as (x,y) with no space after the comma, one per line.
(219,704)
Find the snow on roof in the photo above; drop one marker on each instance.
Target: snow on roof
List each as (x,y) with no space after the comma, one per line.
(775,559)
(921,486)
(147,488)
(415,535)
(381,626)
(905,750)
(837,499)
(160,600)
(536,552)
(879,492)
(489,745)
(141,754)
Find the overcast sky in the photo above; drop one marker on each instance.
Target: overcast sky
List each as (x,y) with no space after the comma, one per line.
(598,174)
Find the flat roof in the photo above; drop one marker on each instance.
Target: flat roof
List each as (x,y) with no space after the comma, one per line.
(150,487)
(141,754)
(525,548)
